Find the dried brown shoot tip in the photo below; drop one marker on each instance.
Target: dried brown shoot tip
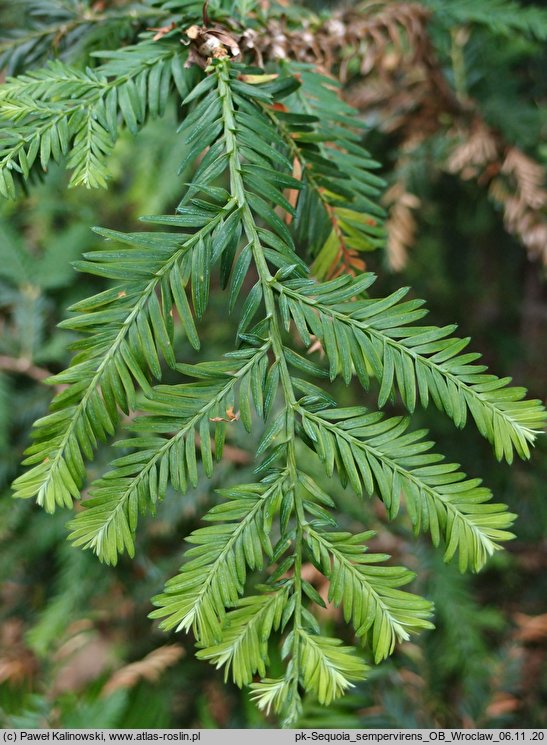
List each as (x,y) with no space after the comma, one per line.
(161,31)
(401,224)
(231,416)
(150,668)
(348,262)
(514,181)
(404,84)
(476,149)
(528,177)
(520,190)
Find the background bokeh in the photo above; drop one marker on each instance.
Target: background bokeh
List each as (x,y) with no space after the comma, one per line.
(76,647)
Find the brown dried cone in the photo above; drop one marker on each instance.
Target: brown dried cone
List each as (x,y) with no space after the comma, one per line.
(210,42)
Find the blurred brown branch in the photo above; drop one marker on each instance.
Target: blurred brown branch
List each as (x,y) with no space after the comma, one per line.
(24,366)
(149,668)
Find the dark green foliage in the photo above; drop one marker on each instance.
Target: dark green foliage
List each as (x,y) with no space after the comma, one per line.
(500,16)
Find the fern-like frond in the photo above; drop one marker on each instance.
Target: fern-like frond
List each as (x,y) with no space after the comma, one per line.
(61,110)
(128,328)
(183,413)
(271,692)
(369,593)
(66,30)
(89,155)
(374,453)
(277,170)
(375,337)
(337,212)
(328,670)
(245,634)
(328,667)
(214,576)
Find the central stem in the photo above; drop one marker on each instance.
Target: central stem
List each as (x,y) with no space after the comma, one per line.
(237,189)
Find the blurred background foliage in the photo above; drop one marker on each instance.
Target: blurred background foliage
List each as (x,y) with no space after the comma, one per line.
(76,647)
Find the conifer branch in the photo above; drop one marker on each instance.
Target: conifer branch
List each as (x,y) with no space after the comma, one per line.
(337,171)
(368,592)
(215,575)
(381,455)
(268,151)
(376,336)
(60,111)
(102,377)
(59,30)
(109,521)
(238,191)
